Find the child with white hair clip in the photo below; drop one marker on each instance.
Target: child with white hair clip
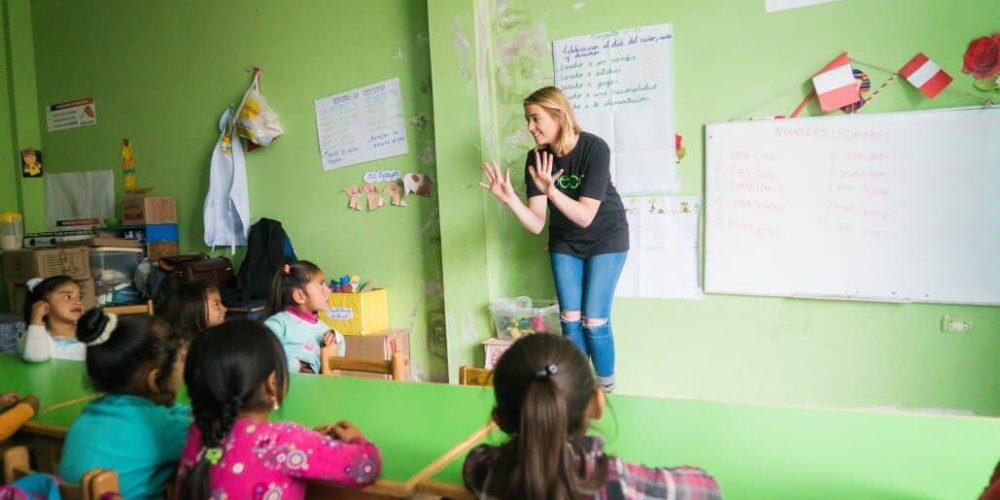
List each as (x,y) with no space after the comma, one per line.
(51,310)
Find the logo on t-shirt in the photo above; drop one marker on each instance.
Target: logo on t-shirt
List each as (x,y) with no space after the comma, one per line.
(571,181)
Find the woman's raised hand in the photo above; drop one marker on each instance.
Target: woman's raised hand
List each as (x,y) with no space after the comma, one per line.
(499,184)
(541,172)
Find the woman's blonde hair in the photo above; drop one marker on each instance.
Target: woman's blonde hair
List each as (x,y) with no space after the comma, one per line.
(555,102)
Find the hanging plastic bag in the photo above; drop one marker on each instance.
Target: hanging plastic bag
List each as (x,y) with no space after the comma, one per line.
(255,120)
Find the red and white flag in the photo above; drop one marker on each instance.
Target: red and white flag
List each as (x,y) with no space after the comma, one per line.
(925,75)
(835,84)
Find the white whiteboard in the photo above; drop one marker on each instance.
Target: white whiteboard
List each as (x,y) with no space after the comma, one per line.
(891,207)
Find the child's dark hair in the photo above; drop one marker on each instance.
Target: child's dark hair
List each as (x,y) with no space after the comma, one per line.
(287,279)
(186,307)
(226,372)
(134,344)
(543,386)
(42,291)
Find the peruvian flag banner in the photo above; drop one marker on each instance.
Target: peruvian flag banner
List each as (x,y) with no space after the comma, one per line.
(835,84)
(925,75)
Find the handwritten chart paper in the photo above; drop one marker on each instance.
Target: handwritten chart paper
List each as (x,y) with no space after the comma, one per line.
(361,125)
(663,248)
(622,87)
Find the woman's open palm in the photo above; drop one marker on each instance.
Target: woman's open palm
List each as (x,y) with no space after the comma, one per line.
(499,184)
(541,172)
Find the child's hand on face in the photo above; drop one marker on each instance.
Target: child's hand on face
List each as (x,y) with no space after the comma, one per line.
(341,431)
(39,310)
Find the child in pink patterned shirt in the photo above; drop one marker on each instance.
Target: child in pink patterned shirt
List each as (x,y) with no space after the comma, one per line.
(236,374)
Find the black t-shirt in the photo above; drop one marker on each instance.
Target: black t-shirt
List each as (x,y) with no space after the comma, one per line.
(586,172)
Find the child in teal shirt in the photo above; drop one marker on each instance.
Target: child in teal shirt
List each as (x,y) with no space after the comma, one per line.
(136,429)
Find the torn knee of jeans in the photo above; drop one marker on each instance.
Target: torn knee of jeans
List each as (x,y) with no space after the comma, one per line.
(570,316)
(595,322)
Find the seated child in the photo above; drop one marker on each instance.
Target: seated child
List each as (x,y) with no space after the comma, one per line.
(545,396)
(136,428)
(194,307)
(236,375)
(298,292)
(16,411)
(51,310)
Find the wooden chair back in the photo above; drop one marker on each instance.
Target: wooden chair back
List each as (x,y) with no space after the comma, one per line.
(395,366)
(96,483)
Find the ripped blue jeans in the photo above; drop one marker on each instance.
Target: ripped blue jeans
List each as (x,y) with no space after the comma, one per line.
(588,285)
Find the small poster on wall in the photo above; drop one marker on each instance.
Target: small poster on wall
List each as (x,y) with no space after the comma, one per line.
(31,163)
(71,114)
(361,125)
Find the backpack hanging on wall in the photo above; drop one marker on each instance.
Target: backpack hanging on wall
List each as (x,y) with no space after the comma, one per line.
(268,248)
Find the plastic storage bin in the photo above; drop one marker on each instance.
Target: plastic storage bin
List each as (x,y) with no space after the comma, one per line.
(11,230)
(113,270)
(518,316)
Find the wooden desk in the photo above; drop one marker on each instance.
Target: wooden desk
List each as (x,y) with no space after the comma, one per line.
(753,451)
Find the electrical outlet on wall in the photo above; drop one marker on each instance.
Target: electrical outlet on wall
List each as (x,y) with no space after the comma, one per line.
(951,324)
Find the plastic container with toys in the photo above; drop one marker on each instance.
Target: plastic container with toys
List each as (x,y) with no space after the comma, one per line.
(515,317)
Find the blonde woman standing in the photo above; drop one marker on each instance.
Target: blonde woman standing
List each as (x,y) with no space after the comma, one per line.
(569,173)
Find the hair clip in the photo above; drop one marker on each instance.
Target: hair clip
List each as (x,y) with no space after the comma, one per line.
(212,455)
(32,283)
(286,269)
(546,372)
(109,328)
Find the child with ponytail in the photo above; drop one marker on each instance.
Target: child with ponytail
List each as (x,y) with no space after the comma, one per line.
(298,293)
(546,395)
(136,428)
(236,376)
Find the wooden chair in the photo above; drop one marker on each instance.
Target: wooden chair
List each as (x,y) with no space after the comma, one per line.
(146,308)
(469,375)
(395,366)
(95,485)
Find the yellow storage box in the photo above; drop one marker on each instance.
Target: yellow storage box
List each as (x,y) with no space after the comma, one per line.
(359,313)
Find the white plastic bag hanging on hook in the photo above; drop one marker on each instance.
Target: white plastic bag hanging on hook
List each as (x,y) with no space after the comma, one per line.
(255,120)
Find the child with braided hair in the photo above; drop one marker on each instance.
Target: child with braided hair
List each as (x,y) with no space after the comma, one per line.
(236,375)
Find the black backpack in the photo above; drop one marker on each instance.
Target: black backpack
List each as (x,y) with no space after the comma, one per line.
(268,248)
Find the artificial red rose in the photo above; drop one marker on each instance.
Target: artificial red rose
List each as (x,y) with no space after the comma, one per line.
(982,58)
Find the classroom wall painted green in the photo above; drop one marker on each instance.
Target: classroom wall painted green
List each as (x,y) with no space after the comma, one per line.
(18,118)
(731,61)
(162,73)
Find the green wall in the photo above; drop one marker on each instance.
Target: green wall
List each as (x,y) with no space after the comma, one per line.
(18,118)
(162,72)
(731,61)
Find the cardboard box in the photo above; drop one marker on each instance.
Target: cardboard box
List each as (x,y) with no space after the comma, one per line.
(362,313)
(141,208)
(162,249)
(18,293)
(19,266)
(378,346)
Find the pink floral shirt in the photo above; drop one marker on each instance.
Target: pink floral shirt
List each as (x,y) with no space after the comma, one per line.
(263,460)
